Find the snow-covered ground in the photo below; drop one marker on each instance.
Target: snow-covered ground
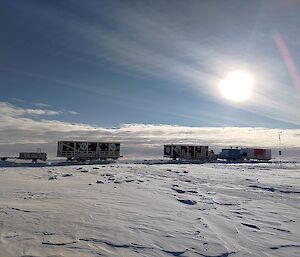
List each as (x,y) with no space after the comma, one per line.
(150,210)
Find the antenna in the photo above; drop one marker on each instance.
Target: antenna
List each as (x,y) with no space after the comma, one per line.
(279,141)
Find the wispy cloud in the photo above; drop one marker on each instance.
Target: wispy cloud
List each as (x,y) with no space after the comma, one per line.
(7,109)
(157,50)
(71,112)
(41,105)
(37,104)
(32,111)
(155,42)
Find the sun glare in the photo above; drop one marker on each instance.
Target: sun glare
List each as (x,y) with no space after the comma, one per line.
(237,86)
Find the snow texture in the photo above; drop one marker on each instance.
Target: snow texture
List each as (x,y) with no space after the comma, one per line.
(150,210)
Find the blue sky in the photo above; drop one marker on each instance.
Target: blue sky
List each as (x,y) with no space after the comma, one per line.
(109,63)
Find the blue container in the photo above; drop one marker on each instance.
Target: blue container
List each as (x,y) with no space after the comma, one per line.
(231,154)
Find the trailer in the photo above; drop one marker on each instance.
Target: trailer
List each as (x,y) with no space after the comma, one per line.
(34,156)
(84,150)
(262,154)
(230,154)
(188,152)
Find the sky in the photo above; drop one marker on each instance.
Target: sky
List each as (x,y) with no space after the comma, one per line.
(146,73)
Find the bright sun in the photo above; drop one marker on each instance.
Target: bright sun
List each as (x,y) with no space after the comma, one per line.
(237,86)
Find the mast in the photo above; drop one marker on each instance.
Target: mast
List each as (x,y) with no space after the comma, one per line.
(279,151)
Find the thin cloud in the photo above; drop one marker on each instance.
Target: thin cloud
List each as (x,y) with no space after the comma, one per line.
(7,109)
(71,112)
(151,43)
(41,104)
(37,104)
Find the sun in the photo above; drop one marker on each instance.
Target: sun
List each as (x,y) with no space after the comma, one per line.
(237,86)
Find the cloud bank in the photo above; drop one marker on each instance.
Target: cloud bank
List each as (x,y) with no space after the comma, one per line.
(21,131)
